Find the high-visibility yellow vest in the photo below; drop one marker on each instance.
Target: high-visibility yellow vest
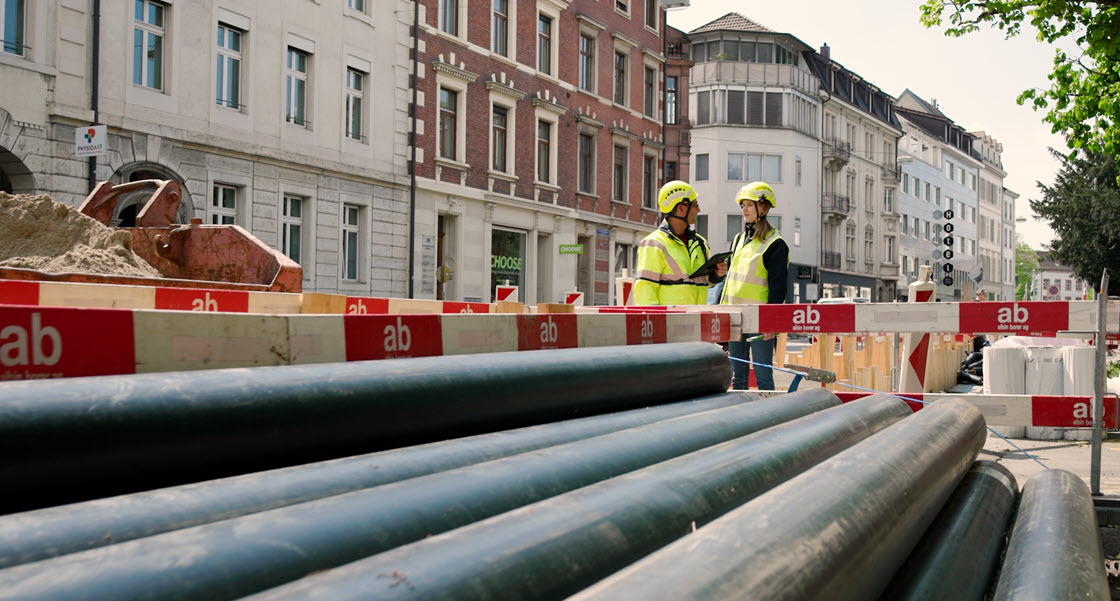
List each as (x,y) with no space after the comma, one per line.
(746,282)
(664,264)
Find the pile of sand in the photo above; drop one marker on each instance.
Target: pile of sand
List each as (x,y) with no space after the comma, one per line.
(41,234)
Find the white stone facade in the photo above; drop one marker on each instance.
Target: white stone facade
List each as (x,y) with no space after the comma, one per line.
(186,124)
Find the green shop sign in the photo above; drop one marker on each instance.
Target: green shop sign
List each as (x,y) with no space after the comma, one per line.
(571,249)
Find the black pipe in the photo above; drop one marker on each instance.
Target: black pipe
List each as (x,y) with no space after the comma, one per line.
(36,535)
(959,555)
(552,549)
(95,84)
(838,531)
(1055,547)
(81,438)
(233,558)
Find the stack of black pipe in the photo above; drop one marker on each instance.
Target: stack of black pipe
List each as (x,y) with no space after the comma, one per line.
(611,473)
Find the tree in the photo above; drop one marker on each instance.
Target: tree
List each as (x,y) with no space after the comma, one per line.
(1083,208)
(1082,98)
(1026,265)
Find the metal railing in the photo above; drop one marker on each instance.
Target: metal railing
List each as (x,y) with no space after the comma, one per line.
(835,203)
(893,171)
(830,259)
(835,147)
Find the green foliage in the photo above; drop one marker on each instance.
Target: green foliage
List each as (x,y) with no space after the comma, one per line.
(1026,265)
(1113,369)
(1083,208)
(1083,101)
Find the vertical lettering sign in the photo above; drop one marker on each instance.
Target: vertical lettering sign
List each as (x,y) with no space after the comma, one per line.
(1023,317)
(50,342)
(807,318)
(197,299)
(550,331)
(392,336)
(362,305)
(645,328)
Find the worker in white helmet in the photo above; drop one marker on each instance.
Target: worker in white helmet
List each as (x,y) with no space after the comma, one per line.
(758,275)
(670,255)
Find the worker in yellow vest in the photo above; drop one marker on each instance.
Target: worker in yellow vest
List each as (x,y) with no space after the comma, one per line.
(671,254)
(757,275)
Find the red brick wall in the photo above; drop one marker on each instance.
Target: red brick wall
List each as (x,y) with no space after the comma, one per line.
(565,43)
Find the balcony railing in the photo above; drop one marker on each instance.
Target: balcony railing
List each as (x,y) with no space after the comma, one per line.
(892,171)
(676,50)
(765,74)
(837,148)
(835,203)
(830,260)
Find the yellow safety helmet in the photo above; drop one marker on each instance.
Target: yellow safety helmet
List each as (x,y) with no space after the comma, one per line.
(756,191)
(673,193)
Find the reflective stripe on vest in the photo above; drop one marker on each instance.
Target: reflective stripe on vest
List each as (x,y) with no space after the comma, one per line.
(665,263)
(747,282)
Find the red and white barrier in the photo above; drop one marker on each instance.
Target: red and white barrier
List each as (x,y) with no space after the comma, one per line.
(1053,411)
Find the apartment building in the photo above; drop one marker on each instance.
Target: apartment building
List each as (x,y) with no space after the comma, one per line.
(991,232)
(860,219)
(285,117)
(1055,281)
(539,134)
(940,177)
(678,125)
(1007,245)
(755,107)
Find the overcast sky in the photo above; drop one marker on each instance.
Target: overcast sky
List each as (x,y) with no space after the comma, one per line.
(974,78)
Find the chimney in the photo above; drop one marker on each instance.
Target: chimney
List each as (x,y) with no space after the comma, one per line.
(934,101)
(826,52)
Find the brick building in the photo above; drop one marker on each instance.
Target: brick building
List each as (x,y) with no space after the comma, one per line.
(539,124)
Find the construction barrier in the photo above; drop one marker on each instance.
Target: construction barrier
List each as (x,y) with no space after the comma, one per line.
(80,438)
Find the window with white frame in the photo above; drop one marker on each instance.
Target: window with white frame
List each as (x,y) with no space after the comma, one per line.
(649,91)
(651,13)
(868,245)
(12,26)
(888,200)
(499,31)
(448,126)
(621,169)
(620,67)
(734,225)
(671,100)
(351,241)
(544,43)
(147,43)
(622,6)
(499,138)
(797,171)
(702,167)
(295,87)
(649,181)
(544,151)
(291,227)
(355,93)
(905,183)
(587,62)
(229,67)
(449,16)
(754,167)
(358,5)
(223,205)
(797,231)
(586,165)
(888,249)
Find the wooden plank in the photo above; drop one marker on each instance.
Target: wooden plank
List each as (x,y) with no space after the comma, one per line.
(181,340)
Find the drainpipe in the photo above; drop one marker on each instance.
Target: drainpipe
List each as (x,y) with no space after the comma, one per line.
(94,84)
(412,140)
(820,213)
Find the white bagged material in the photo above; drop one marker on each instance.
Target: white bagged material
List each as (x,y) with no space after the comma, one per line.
(1044,377)
(1005,373)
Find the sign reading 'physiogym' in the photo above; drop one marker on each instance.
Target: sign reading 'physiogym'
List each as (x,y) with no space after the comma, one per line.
(807,318)
(1018,317)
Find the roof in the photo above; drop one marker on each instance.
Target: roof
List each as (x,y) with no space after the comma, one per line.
(920,102)
(732,22)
